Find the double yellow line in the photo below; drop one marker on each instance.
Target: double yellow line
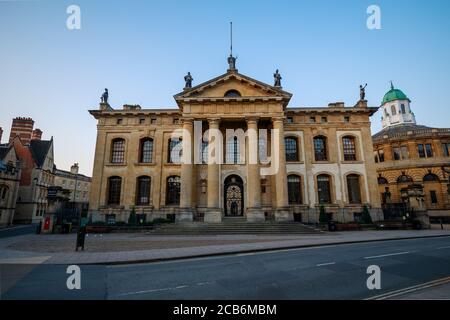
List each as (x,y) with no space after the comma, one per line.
(396,293)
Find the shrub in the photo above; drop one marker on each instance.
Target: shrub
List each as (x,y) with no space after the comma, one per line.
(161,221)
(323,217)
(366,218)
(132,220)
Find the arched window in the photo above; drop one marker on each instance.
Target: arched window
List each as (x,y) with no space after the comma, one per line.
(404,179)
(403,108)
(232,94)
(324,188)
(393,110)
(430,177)
(320,148)
(118,151)
(353,188)
(175,150)
(349,147)
(294,189)
(143,190)
(291,147)
(146,148)
(114,189)
(382,180)
(233,151)
(173,190)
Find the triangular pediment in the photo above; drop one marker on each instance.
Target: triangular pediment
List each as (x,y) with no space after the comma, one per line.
(218,88)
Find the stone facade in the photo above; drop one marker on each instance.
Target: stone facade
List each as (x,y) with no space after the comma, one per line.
(9,183)
(409,154)
(210,191)
(77,184)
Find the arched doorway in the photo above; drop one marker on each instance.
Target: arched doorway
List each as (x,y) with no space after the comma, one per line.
(234,196)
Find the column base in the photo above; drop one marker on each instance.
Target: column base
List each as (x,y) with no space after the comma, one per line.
(255,215)
(185,215)
(213,215)
(283,214)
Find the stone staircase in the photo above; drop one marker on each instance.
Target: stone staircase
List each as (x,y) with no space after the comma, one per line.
(233,226)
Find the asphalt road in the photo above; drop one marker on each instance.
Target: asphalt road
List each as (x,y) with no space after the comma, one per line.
(332,272)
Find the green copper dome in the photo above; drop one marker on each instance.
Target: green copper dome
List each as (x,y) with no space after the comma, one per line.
(394,94)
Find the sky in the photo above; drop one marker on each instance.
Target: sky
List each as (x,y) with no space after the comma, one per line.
(141,50)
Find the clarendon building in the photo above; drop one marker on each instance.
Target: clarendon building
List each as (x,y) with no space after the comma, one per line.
(408,155)
(151,159)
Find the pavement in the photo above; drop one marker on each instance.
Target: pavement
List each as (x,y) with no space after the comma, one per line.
(408,269)
(141,248)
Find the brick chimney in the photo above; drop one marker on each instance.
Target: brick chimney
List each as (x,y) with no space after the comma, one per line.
(37,134)
(22,127)
(1,134)
(74,168)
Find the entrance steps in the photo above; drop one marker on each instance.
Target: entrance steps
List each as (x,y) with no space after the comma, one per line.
(233,226)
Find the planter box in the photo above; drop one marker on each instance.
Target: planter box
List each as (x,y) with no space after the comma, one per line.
(98,229)
(348,227)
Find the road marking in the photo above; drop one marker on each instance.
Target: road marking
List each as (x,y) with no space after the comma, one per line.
(447,247)
(162,289)
(325,264)
(388,255)
(418,287)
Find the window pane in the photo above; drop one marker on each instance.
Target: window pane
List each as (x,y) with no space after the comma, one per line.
(349,148)
(118,151)
(421,150)
(114,186)
(146,151)
(320,149)
(175,151)
(233,151)
(354,192)
(173,190)
(445,149)
(204,152)
(429,150)
(143,191)
(323,188)
(381,155)
(294,189)
(396,153)
(291,149)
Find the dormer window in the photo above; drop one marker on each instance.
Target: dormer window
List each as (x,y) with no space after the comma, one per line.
(232,94)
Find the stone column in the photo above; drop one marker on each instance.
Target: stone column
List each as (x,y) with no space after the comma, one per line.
(282,212)
(214,213)
(186,212)
(254,212)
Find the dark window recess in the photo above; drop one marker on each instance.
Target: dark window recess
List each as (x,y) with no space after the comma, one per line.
(324,189)
(143,190)
(114,190)
(294,189)
(173,190)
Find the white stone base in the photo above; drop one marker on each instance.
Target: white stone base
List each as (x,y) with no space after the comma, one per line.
(255,215)
(283,214)
(185,215)
(212,216)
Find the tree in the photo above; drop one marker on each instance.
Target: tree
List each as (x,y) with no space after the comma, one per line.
(132,218)
(323,217)
(366,218)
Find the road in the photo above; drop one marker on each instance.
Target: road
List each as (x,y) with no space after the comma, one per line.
(331,272)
